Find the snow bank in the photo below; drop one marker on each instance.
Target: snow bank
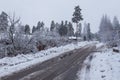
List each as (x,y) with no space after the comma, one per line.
(105,65)
(99,45)
(9,65)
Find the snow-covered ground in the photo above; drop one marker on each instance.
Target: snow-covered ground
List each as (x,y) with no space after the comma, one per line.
(103,65)
(9,65)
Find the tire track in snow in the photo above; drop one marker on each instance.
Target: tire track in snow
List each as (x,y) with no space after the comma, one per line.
(85,70)
(88,66)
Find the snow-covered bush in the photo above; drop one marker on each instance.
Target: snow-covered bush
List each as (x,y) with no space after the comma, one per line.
(24,44)
(49,39)
(21,44)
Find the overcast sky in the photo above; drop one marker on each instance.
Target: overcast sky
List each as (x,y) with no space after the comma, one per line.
(32,11)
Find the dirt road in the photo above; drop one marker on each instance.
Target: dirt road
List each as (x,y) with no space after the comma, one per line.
(63,67)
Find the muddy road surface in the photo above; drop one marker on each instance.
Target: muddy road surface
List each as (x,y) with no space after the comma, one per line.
(63,67)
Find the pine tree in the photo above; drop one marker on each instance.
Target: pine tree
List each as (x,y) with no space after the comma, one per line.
(70,29)
(87,32)
(79,29)
(52,27)
(66,23)
(3,22)
(42,26)
(33,29)
(21,29)
(77,16)
(106,29)
(57,27)
(63,29)
(38,26)
(27,29)
(116,27)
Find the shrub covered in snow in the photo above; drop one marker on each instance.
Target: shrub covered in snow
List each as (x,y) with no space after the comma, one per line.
(21,44)
(49,39)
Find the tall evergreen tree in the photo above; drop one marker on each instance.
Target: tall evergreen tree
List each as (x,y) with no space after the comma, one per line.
(70,29)
(42,26)
(52,27)
(66,23)
(79,29)
(89,32)
(3,22)
(33,29)
(106,29)
(116,27)
(27,29)
(38,25)
(63,29)
(21,29)
(57,27)
(77,16)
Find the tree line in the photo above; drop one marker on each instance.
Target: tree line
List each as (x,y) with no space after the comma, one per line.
(16,38)
(109,32)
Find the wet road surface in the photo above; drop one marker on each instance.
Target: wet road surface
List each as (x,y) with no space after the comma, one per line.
(63,67)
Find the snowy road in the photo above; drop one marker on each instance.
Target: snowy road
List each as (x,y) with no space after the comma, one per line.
(58,68)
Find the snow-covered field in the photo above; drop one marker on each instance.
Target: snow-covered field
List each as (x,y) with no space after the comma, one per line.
(103,65)
(9,65)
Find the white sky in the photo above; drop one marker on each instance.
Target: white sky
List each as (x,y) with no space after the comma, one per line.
(32,11)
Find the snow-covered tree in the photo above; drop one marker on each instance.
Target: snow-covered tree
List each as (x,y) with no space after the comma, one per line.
(20,29)
(116,28)
(27,29)
(79,29)
(24,44)
(106,29)
(8,41)
(57,27)
(3,22)
(96,36)
(63,29)
(66,23)
(52,27)
(87,32)
(40,26)
(77,16)
(116,25)
(15,42)
(70,29)
(33,29)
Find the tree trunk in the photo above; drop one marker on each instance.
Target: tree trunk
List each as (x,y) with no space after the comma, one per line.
(76,30)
